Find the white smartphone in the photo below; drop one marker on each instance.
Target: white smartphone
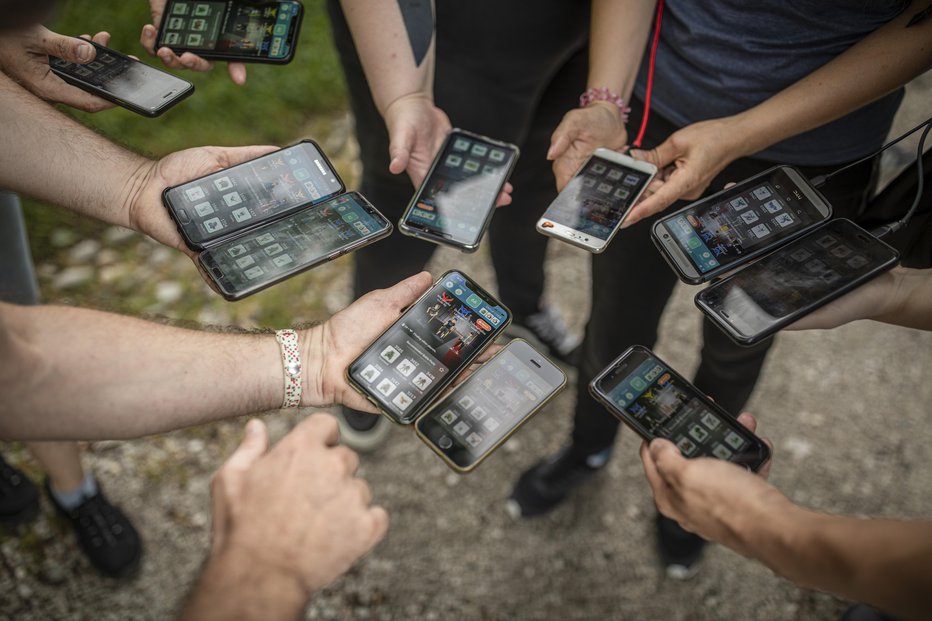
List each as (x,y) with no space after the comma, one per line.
(592,206)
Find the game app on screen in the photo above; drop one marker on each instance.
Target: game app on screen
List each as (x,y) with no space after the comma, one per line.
(425,350)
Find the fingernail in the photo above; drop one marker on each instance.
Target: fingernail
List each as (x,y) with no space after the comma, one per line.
(85,52)
(252,428)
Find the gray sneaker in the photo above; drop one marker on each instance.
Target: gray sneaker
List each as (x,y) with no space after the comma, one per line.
(547,329)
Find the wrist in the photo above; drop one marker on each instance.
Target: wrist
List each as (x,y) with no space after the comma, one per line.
(140,172)
(393,107)
(311,344)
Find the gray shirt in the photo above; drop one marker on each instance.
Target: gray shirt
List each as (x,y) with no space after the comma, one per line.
(717,58)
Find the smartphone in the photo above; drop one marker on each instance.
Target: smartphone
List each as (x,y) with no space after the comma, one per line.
(234,30)
(455,203)
(218,206)
(589,210)
(477,416)
(795,280)
(717,234)
(125,81)
(647,395)
(435,340)
(280,249)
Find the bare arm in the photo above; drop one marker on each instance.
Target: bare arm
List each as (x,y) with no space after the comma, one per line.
(881,62)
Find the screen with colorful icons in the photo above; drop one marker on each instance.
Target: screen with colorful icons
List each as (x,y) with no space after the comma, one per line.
(794,277)
(597,198)
(239,28)
(664,406)
(237,198)
(748,216)
(455,201)
(489,404)
(294,242)
(421,353)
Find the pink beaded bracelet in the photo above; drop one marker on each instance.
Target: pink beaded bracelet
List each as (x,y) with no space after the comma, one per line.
(605,94)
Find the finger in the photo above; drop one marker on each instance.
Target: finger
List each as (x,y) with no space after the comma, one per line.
(379,524)
(169,59)
(355,401)
(671,191)
(76,98)
(660,156)
(488,352)
(101,38)
(156,7)
(560,141)
(195,62)
(748,420)
(254,445)
(399,150)
(318,428)
(764,470)
(237,73)
(505,197)
(363,490)
(349,458)
(405,293)
(729,184)
(73,49)
(237,155)
(147,38)
(658,486)
(669,462)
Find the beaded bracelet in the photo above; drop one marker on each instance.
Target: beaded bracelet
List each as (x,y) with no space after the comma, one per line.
(291,363)
(605,94)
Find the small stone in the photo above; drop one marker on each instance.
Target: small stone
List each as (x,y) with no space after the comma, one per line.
(213,316)
(199,519)
(24,591)
(168,292)
(62,238)
(196,445)
(83,252)
(107,257)
(161,255)
(52,573)
(798,448)
(112,273)
(513,445)
(452,479)
(46,271)
(73,277)
(117,235)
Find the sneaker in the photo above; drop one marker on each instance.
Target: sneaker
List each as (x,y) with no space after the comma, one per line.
(362,431)
(104,533)
(547,329)
(19,499)
(680,550)
(547,484)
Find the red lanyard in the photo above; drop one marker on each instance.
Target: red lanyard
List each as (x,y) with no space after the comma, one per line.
(650,74)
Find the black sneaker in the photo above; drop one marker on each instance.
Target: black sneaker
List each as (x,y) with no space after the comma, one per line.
(680,550)
(19,499)
(547,328)
(547,484)
(362,431)
(106,535)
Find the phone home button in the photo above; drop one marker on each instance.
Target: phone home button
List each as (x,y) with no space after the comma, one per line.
(445,442)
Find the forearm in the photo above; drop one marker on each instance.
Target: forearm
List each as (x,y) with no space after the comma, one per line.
(618,36)
(910,299)
(232,587)
(880,63)
(40,148)
(70,373)
(884,563)
(392,66)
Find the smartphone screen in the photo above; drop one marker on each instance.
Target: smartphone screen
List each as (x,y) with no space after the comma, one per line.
(597,198)
(717,232)
(256,259)
(256,30)
(228,201)
(473,419)
(653,399)
(805,274)
(429,346)
(456,200)
(146,89)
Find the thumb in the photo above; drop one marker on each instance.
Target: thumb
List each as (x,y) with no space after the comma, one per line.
(559,143)
(399,150)
(405,293)
(668,460)
(660,156)
(238,155)
(254,445)
(72,49)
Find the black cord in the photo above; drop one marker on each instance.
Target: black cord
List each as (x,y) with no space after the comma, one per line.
(819,180)
(886,229)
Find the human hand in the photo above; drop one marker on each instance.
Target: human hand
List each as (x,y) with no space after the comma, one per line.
(145,210)
(24,56)
(872,299)
(581,132)
(416,131)
(718,500)
(187,60)
(330,347)
(295,514)
(687,162)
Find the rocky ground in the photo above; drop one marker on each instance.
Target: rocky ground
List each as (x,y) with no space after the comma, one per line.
(848,412)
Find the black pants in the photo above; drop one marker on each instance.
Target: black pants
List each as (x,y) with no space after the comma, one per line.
(632,283)
(504,70)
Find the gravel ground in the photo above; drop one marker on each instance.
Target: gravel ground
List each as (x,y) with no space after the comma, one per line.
(847,411)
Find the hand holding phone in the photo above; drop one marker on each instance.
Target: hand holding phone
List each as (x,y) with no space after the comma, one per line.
(428,347)
(590,209)
(477,416)
(647,395)
(125,81)
(455,203)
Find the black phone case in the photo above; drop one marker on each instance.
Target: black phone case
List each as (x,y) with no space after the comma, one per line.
(103,94)
(201,246)
(764,450)
(748,341)
(233,58)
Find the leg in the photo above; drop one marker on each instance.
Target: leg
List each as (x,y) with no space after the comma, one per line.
(61,461)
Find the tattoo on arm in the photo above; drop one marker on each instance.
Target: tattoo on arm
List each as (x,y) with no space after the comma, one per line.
(419,22)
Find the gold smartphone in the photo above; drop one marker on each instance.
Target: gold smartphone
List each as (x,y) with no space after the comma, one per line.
(477,416)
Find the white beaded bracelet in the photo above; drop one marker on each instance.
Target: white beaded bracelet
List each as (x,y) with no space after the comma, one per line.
(291,364)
